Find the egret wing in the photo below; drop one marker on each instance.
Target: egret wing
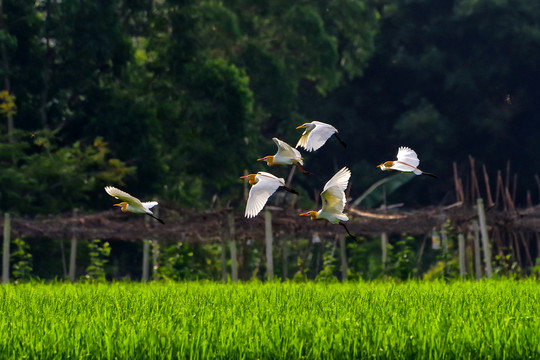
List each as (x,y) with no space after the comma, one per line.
(408,156)
(149,204)
(333,200)
(340,179)
(318,136)
(260,192)
(287,151)
(122,195)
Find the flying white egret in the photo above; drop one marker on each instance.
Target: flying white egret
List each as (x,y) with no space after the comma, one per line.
(286,155)
(333,200)
(316,133)
(263,186)
(407,161)
(131,204)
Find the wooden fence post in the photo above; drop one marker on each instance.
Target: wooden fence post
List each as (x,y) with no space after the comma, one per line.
(285,249)
(146,260)
(5,251)
(384,248)
(461,249)
(477,257)
(223,260)
(73,254)
(155,258)
(268,238)
(146,252)
(343,256)
(234,260)
(485,239)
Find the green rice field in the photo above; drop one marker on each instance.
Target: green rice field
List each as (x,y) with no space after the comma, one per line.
(378,320)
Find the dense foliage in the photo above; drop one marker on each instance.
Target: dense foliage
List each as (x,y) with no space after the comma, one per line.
(177,98)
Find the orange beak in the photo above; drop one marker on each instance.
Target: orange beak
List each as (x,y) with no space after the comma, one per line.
(262,159)
(299,127)
(117,205)
(380,165)
(244,177)
(304,214)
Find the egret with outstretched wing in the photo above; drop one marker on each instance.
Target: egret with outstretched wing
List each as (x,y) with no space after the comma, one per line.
(263,186)
(333,200)
(407,161)
(286,155)
(316,134)
(131,204)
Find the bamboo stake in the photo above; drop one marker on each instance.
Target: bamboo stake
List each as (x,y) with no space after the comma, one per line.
(488,188)
(515,245)
(5,251)
(485,240)
(507,176)
(537,179)
(527,251)
(475,189)
(500,190)
(459,194)
(529,200)
(514,188)
(268,240)
(508,198)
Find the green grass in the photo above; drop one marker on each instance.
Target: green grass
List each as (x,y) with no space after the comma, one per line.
(469,320)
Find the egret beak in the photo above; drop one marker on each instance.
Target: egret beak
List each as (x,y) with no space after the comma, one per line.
(262,159)
(117,205)
(379,165)
(304,214)
(244,177)
(300,127)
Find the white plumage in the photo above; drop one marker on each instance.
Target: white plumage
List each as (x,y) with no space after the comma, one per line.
(286,154)
(333,197)
(131,204)
(407,161)
(315,135)
(264,185)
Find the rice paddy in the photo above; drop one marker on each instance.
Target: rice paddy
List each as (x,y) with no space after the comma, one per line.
(377,320)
